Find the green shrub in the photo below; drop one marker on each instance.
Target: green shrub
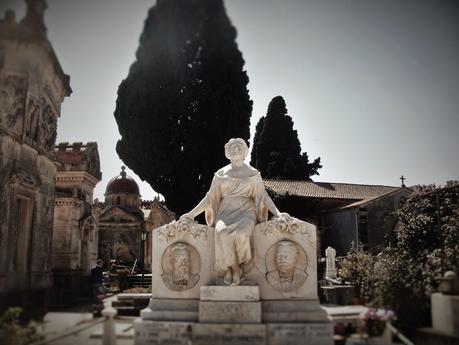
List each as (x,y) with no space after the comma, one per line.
(13,333)
(358,268)
(425,245)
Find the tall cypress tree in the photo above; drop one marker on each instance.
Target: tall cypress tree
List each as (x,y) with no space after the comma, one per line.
(184,98)
(276,151)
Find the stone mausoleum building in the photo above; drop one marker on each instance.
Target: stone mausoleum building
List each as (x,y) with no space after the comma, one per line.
(126,223)
(75,234)
(121,222)
(346,215)
(32,88)
(75,221)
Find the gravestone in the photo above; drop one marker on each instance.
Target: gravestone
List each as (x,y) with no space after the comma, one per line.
(239,280)
(330,271)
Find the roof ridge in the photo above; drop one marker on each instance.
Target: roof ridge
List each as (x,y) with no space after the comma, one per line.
(340,183)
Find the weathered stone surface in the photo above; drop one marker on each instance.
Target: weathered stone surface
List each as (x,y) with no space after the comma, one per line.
(445,313)
(171,310)
(75,228)
(330,271)
(229,312)
(228,334)
(200,239)
(266,239)
(162,332)
(300,333)
(241,293)
(32,88)
(339,294)
(293,311)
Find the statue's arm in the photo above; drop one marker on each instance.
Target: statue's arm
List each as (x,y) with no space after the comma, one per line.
(273,209)
(270,205)
(203,205)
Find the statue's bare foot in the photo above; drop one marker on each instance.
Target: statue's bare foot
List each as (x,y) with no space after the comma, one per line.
(236,276)
(228,277)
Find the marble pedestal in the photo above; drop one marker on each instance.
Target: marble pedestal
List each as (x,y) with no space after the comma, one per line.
(445,313)
(230,315)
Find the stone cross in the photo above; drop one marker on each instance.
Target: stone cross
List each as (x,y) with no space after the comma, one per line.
(403,180)
(330,271)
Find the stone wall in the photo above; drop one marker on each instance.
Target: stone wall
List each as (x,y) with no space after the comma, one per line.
(32,88)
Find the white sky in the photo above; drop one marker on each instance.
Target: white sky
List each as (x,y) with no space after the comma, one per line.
(372,86)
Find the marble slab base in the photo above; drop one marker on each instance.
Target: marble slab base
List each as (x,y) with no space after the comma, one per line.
(171,310)
(299,333)
(228,334)
(162,332)
(229,312)
(239,293)
(293,311)
(183,333)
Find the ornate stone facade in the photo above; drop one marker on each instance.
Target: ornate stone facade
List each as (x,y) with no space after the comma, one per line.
(32,88)
(121,222)
(75,222)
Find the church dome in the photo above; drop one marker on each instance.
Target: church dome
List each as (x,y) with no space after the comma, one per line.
(122,184)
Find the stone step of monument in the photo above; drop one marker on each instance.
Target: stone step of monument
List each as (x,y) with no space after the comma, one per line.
(131,304)
(239,293)
(293,311)
(240,334)
(229,312)
(127,311)
(169,315)
(183,333)
(171,310)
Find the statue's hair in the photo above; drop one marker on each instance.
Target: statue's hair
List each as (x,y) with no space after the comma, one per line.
(238,140)
(286,243)
(179,247)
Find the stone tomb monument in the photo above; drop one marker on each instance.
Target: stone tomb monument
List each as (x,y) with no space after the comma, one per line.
(239,280)
(330,272)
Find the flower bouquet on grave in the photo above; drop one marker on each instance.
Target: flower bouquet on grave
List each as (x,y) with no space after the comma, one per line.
(374,321)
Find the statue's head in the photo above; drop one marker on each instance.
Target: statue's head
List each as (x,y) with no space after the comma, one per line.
(286,256)
(180,260)
(236,148)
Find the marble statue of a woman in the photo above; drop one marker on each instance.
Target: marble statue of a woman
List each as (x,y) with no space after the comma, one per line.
(236,201)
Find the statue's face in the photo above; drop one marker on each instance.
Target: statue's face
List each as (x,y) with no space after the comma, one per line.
(235,149)
(285,258)
(181,261)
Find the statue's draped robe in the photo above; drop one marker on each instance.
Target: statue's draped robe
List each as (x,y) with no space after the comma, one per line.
(235,206)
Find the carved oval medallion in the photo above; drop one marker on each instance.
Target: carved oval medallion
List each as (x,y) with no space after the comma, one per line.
(286,264)
(180,264)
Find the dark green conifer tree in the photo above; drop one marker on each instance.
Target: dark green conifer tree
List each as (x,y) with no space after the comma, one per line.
(276,151)
(184,98)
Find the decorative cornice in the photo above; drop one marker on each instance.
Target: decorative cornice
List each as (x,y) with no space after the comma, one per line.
(182,229)
(285,227)
(76,176)
(59,202)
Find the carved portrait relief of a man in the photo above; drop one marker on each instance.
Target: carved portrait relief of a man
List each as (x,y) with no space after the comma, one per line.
(180,273)
(286,275)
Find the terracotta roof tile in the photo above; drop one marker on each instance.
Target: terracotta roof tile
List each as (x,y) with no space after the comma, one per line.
(326,190)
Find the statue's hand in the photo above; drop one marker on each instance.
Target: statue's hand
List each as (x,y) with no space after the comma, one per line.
(186,218)
(284,217)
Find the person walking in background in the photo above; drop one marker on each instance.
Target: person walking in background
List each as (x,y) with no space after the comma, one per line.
(98,290)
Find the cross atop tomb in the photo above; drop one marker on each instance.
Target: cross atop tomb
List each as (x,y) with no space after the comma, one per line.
(403,181)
